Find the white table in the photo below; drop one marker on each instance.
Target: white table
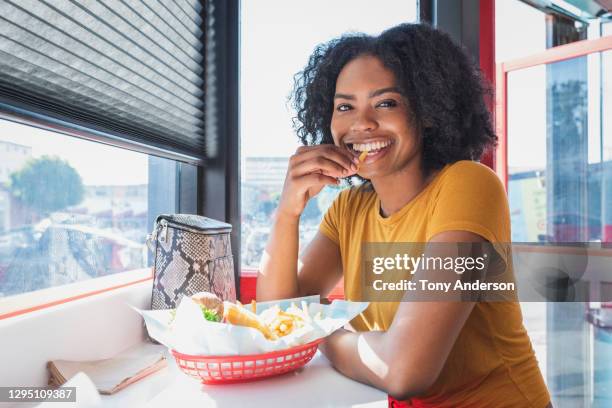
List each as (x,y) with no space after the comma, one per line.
(315,385)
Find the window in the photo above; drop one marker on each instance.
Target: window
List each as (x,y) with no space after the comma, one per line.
(119,88)
(74,210)
(559,191)
(512,42)
(559,181)
(276,40)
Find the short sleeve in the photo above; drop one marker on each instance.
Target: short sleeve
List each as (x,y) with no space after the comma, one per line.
(330,224)
(471,198)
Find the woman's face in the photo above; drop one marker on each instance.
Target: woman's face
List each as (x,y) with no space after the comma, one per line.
(371,114)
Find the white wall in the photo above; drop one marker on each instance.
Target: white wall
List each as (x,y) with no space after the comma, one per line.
(95,327)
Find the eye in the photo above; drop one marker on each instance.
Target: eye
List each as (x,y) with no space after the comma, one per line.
(387,103)
(343,107)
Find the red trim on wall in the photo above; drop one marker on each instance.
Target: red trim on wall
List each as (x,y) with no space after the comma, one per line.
(487,38)
(248,285)
(487,61)
(72,298)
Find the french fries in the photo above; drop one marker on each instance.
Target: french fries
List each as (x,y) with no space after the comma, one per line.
(362,157)
(284,323)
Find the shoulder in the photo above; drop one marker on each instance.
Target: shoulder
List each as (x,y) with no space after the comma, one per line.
(468,167)
(467,175)
(470,197)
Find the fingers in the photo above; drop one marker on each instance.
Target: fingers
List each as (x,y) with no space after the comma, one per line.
(330,152)
(306,181)
(310,169)
(317,179)
(322,165)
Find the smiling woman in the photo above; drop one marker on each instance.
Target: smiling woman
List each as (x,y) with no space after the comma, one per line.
(415,102)
(373,117)
(266,136)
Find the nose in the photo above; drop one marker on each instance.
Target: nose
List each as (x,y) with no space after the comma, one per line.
(364,121)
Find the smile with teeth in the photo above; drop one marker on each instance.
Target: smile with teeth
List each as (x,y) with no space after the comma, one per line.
(371,148)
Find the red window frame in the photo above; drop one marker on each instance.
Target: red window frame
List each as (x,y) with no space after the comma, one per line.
(556,54)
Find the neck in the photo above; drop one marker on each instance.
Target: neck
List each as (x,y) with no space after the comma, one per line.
(393,197)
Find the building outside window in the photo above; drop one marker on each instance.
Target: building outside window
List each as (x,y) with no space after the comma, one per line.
(71,209)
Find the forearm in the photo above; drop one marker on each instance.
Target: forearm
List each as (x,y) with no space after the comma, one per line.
(277,277)
(367,357)
(348,353)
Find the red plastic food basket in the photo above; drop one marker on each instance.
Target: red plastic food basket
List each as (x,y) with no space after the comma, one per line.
(232,369)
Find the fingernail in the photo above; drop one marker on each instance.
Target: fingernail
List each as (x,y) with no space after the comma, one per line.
(356,160)
(345,171)
(353,167)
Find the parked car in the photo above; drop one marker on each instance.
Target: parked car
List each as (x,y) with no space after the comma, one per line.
(52,254)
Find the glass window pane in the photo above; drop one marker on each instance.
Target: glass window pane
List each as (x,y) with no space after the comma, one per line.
(557,153)
(606,28)
(559,183)
(277,38)
(527,153)
(72,209)
(606,149)
(510,42)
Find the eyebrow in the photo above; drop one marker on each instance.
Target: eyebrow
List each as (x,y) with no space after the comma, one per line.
(371,95)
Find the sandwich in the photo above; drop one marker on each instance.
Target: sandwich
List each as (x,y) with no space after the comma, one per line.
(211,305)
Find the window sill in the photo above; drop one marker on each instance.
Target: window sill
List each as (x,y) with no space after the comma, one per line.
(32,301)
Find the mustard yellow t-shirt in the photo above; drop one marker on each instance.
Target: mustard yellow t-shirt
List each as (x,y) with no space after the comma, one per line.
(492,363)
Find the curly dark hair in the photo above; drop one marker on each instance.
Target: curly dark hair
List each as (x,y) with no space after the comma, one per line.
(444,88)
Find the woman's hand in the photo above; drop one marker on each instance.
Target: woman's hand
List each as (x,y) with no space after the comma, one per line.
(310,169)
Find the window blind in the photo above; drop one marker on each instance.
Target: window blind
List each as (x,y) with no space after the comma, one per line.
(132,68)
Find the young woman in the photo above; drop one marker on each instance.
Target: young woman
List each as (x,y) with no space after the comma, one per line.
(415,102)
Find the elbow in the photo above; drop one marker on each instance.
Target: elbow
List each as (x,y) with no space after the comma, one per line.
(402,392)
(404,384)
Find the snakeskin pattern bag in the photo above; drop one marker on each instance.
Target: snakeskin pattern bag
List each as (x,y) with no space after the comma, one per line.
(192,254)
